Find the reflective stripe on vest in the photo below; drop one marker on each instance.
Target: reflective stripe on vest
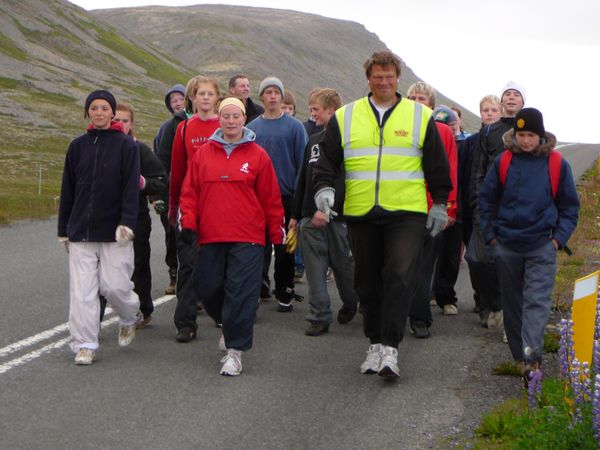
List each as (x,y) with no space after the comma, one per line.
(383,166)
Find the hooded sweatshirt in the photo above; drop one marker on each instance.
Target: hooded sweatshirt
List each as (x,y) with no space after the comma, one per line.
(522,214)
(100,185)
(230,193)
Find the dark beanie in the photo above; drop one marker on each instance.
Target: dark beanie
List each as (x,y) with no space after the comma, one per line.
(530,119)
(102,95)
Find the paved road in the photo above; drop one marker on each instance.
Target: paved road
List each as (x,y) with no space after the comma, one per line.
(296,392)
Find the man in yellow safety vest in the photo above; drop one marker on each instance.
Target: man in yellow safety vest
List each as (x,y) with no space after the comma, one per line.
(390,149)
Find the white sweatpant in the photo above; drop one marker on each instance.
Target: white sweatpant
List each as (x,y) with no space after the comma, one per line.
(103,268)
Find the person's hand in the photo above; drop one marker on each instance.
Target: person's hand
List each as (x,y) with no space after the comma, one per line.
(319,219)
(436,219)
(492,242)
(160,207)
(142,182)
(123,235)
(173,213)
(451,221)
(64,242)
(324,199)
(293,224)
(188,236)
(555,243)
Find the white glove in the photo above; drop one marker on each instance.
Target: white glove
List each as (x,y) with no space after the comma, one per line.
(64,241)
(436,219)
(324,200)
(123,235)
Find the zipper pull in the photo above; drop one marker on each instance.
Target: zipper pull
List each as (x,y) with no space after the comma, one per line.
(95,140)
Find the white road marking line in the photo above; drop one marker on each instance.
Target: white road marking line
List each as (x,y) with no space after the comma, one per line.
(44,335)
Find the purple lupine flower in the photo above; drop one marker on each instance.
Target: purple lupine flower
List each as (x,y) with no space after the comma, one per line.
(563,351)
(534,388)
(577,387)
(586,382)
(596,409)
(596,357)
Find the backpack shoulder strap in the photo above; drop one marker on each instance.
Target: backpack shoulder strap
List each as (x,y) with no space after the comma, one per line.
(554,164)
(505,160)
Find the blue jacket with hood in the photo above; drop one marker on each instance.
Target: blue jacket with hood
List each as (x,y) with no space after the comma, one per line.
(522,214)
(100,185)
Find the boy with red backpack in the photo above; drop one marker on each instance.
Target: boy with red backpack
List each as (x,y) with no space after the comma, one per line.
(528,210)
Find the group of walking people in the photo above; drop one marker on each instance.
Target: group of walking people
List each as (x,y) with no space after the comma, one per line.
(385,191)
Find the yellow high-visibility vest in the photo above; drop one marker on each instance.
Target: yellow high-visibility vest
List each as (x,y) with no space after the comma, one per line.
(383,165)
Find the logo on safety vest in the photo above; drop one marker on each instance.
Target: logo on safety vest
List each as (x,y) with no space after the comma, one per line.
(401,133)
(245,168)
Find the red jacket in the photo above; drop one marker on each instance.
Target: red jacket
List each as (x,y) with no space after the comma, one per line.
(232,198)
(452,153)
(197,133)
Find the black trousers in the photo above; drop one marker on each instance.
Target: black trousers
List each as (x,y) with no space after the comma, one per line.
(420,309)
(171,246)
(386,255)
(187,300)
(448,266)
(284,262)
(227,275)
(142,275)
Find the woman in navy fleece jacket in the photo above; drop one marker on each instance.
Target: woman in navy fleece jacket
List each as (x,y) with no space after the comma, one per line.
(97,217)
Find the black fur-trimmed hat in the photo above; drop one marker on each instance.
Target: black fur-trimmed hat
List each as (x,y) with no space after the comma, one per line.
(102,95)
(530,119)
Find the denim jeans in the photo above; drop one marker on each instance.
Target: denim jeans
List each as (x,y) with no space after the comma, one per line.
(323,248)
(526,281)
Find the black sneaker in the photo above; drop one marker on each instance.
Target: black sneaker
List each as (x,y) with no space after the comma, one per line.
(317,329)
(419,330)
(185,335)
(284,307)
(345,315)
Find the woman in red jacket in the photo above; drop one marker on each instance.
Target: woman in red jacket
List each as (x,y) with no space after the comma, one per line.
(191,134)
(230,200)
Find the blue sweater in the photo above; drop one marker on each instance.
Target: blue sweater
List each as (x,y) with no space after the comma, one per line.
(522,214)
(100,186)
(284,139)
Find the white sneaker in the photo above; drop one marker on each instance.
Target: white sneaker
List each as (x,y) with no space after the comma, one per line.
(389,363)
(85,357)
(450,310)
(126,334)
(232,363)
(495,319)
(373,359)
(222,346)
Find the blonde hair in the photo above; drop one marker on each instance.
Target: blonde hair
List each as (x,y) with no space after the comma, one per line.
(326,97)
(192,88)
(490,99)
(420,87)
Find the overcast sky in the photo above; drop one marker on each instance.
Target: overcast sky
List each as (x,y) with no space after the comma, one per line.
(469,48)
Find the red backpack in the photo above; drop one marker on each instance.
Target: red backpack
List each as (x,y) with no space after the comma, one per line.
(554,163)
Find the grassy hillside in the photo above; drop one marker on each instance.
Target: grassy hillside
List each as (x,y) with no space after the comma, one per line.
(52,54)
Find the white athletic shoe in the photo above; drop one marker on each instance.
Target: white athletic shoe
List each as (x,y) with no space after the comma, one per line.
(85,357)
(389,363)
(495,319)
(126,334)
(222,346)
(373,359)
(232,363)
(450,310)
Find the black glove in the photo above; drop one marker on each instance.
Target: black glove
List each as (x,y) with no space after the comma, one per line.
(188,236)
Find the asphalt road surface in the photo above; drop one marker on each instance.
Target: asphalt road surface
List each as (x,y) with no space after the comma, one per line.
(296,392)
